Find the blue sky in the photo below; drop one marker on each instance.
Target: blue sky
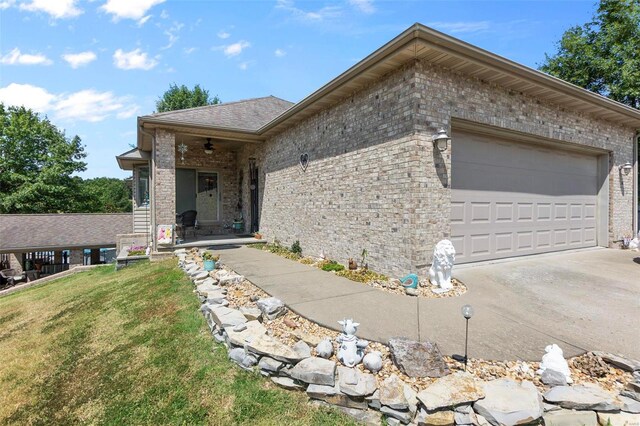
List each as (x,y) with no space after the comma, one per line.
(93,66)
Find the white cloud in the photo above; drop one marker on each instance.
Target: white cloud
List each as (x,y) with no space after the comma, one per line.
(245,65)
(85,105)
(323,14)
(364,6)
(172,34)
(279,53)
(32,97)
(129,9)
(461,27)
(56,8)
(234,49)
(134,60)
(15,57)
(190,50)
(6,4)
(77,60)
(223,34)
(164,14)
(143,20)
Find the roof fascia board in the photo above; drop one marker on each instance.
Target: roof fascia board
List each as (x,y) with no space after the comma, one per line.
(240,135)
(483,57)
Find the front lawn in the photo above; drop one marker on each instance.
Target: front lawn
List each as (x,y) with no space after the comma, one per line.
(128,347)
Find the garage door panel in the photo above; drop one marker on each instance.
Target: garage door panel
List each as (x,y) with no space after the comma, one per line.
(510,199)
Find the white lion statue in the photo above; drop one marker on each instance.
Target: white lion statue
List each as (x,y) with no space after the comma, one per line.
(444,256)
(553,359)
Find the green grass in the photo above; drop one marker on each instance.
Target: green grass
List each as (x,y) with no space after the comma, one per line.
(129,347)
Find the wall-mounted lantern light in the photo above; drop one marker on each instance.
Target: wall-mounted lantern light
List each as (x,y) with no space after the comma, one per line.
(441,140)
(625,168)
(208,147)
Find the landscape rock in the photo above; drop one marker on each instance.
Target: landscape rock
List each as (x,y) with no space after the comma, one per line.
(632,390)
(269,364)
(302,349)
(286,383)
(509,403)
(267,345)
(629,405)
(250,313)
(315,370)
(392,393)
(374,400)
(465,418)
(563,417)
(230,279)
(411,291)
(226,317)
(237,355)
(417,359)
(373,361)
(199,275)
(583,397)
(240,327)
(332,395)
(438,418)
(404,416)
(310,339)
(618,419)
(324,348)
(249,361)
(355,383)
(553,378)
(455,389)
(271,307)
(412,398)
(620,361)
(239,338)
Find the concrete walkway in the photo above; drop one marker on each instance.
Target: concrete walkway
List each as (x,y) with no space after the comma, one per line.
(511,321)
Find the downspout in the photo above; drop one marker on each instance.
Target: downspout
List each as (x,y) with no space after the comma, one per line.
(152,186)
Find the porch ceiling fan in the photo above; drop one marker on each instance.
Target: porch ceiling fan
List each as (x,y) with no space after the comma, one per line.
(208,147)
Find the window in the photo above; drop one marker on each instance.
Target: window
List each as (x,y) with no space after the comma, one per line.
(142,184)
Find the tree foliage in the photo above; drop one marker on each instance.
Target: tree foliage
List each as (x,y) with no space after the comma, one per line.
(181,97)
(106,195)
(37,161)
(602,55)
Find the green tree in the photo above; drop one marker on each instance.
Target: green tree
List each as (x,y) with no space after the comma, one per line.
(602,55)
(182,97)
(106,195)
(36,164)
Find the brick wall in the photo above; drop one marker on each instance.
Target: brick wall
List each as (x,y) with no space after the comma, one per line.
(224,163)
(374,181)
(164,179)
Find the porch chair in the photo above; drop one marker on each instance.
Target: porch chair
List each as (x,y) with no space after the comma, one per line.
(188,220)
(11,276)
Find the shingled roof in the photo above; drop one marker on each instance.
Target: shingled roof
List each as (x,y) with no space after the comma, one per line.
(245,115)
(38,232)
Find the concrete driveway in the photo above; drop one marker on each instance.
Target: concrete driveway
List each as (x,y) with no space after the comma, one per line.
(583,300)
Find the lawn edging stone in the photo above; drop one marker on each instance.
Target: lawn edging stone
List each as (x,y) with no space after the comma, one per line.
(451,399)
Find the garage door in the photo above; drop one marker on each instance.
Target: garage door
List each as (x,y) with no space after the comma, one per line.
(512,199)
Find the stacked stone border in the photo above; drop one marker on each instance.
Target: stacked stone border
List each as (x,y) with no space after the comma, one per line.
(458,398)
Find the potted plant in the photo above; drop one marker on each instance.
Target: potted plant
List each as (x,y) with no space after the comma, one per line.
(209,260)
(257,235)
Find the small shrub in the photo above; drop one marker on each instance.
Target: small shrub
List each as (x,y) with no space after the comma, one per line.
(207,255)
(362,275)
(137,251)
(295,248)
(308,261)
(332,265)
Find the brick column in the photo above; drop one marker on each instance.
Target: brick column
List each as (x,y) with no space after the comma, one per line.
(76,257)
(164,182)
(15,262)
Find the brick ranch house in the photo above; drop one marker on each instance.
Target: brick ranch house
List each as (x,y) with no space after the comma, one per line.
(534,164)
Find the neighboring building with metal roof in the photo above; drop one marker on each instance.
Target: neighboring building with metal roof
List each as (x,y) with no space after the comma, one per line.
(426,138)
(30,236)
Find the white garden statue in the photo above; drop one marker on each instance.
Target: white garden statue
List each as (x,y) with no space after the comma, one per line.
(350,348)
(444,256)
(553,359)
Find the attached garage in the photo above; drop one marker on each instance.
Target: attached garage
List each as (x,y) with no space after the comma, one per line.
(512,198)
